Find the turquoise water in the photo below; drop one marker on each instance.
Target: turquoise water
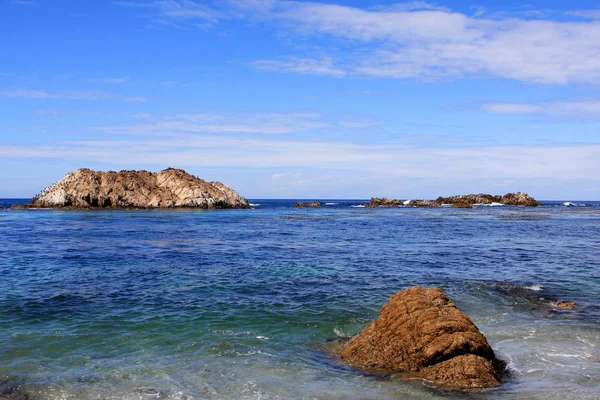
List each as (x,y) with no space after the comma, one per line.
(240,304)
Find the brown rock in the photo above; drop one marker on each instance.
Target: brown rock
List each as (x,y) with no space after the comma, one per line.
(564,305)
(509,199)
(462,201)
(463,371)
(462,205)
(421,203)
(383,202)
(136,189)
(519,199)
(312,204)
(420,328)
(469,199)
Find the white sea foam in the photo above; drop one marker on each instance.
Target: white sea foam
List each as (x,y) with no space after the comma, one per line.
(406,202)
(339,332)
(358,206)
(254,204)
(331,204)
(535,287)
(494,204)
(570,204)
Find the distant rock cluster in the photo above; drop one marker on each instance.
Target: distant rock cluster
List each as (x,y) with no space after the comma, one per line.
(462,201)
(310,204)
(169,188)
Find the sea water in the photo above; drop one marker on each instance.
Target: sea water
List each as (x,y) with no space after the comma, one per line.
(241,304)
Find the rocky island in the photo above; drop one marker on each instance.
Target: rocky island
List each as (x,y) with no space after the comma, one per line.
(462,201)
(421,333)
(169,188)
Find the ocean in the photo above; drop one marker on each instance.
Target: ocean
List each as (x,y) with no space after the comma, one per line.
(242,304)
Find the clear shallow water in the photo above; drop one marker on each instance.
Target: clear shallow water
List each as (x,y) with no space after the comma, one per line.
(241,303)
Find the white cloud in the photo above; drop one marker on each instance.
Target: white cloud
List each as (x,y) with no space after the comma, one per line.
(25,93)
(173,11)
(323,66)
(109,80)
(81,95)
(192,124)
(436,44)
(593,14)
(412,6)
(580,109)
(412,40)
(390,161)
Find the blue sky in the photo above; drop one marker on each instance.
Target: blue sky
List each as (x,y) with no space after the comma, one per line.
(295,99)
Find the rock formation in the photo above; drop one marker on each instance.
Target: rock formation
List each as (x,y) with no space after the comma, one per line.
(462,201)
(509,199)
(384,202)
(420,331)
(310,204)
(168,188)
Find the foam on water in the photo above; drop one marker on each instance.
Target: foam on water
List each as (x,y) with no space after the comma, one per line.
(535,287)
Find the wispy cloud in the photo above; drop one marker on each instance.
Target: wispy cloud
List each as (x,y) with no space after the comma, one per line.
(81,95)
(323,66)
(593,14)
(109,80)
(571,109)
(412,6)
(437,44)
(400,161)
(23,2)
(172,12)
(25,93)
(192,124)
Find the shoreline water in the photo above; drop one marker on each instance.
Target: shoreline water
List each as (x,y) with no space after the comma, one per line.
(237,303)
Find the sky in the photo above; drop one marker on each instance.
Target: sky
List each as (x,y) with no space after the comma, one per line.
(297,99)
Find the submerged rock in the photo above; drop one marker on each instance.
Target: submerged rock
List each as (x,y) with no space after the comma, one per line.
(564,305)
(168,188)
(312,204)
(421,331)
(534,294)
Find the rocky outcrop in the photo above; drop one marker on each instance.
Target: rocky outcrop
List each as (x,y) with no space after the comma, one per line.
(385,202)
(519,199)
(509,199)
(462,201)
(169,188)
(310,204)
(420,331)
